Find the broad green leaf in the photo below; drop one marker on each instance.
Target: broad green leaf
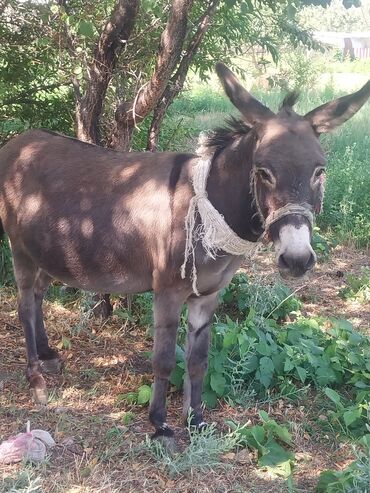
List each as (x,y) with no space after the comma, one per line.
(326,479)
(276,455)
(325,375)
(280,432)
(266,371)
(350,416)
(263,348)
(284,469)
(288,365)
(144,394)
(210,398)
(86,29)
(264,416)
(230,339)
(333,396)
(302,373)
(177,377)
(258,434)
(180,353)
(218,383)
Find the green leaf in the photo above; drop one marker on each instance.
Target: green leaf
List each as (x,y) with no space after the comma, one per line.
(230,339)
(333,396)
(266,371)
(288,365)
(276,456)
(218,383)
(350,416)
(263,348)
(326,479)
(67,344)
(86,29)
(302,373)
(264,416)
(280,432)
(210,398)
(129,397)
(177,377)
(325,375)
(256,437)
(144,394)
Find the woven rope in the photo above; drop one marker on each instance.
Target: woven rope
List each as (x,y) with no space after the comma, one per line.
(213,231)
(303,209)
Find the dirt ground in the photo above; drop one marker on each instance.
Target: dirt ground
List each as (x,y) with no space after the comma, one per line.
(98,451)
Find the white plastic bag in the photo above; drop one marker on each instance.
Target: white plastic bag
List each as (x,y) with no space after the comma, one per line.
(30,446)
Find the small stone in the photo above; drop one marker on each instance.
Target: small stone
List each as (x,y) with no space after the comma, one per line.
(229,456)
(243,457)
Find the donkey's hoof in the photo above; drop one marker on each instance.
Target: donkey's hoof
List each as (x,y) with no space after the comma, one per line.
(201,426)
(166,437)
(38,387)
(39,395)
(51,366)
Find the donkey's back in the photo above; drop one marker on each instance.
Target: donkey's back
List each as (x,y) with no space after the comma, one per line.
(91,217)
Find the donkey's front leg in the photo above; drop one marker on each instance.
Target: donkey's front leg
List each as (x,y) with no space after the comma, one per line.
(167,310)
(201,311)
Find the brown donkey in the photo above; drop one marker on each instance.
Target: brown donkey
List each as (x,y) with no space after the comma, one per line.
(108,221)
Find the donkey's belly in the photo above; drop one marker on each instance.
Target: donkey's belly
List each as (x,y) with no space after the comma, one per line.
(94,267)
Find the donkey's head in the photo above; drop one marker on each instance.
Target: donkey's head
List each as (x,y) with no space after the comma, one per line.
(288,166)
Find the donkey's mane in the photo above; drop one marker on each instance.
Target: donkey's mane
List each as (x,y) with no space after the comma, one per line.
(221,137)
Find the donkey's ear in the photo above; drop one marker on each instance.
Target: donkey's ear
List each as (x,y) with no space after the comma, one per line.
(253,111)
(330,115)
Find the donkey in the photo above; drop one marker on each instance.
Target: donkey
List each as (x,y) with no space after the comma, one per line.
(107,221)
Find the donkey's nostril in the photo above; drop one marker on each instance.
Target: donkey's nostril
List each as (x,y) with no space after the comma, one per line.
(282,263)
(297,265)
(311,261)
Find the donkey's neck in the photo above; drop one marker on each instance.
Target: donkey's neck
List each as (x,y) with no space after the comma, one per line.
(229,188)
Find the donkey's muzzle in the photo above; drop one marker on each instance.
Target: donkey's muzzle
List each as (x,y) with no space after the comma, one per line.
(296,265)
(294,253)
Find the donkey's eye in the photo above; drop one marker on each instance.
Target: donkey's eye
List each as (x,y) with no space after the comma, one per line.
(318,173)
(266,176)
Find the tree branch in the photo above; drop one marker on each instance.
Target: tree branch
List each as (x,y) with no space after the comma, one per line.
(169,52)
(112,40)
(176,82)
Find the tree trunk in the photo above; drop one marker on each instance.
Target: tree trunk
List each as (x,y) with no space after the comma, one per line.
(129,113)
(176,83)
(111,41)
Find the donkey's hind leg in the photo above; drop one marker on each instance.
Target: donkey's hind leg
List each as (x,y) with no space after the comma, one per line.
(48,357)
(201,311)
(167,308)
(25,274)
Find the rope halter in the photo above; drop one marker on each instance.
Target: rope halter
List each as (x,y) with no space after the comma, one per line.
(302,209)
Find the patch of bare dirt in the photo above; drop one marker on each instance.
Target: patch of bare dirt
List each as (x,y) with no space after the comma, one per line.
(320,289)
(98,451)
